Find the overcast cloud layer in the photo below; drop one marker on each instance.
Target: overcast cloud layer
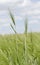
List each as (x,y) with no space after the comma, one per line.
(20,9)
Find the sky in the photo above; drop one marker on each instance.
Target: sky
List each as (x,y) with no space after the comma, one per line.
(21,9)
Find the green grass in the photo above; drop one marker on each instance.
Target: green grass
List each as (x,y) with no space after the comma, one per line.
(14,52)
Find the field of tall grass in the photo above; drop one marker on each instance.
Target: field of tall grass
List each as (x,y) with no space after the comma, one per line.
(13,50)
(20,49)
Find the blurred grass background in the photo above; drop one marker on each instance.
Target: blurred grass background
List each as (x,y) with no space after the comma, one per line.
(12,50)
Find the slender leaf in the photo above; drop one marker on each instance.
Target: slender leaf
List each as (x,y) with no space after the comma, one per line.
(12,17)
(13,28)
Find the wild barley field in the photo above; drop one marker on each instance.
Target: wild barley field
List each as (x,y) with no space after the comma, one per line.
(20,49)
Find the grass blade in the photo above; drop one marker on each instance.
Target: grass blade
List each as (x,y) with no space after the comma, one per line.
(13,28)
(12,17)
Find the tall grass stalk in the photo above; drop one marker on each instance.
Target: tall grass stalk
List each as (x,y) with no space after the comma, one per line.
(26,27)
(31,40)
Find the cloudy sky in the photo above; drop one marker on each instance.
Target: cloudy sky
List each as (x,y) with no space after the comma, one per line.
(20,9)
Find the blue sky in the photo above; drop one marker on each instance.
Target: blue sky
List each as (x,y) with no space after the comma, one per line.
(20,9)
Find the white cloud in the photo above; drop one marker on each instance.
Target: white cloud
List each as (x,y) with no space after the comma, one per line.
(36,17)
(8,1)
(34,12)
(4,25)
(31,8)
(3,12)
(4,1)
(18,18)
(36,5)
(24,3)
(34,8)
(33,22)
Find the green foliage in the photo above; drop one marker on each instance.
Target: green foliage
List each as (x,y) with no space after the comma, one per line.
(11,55)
